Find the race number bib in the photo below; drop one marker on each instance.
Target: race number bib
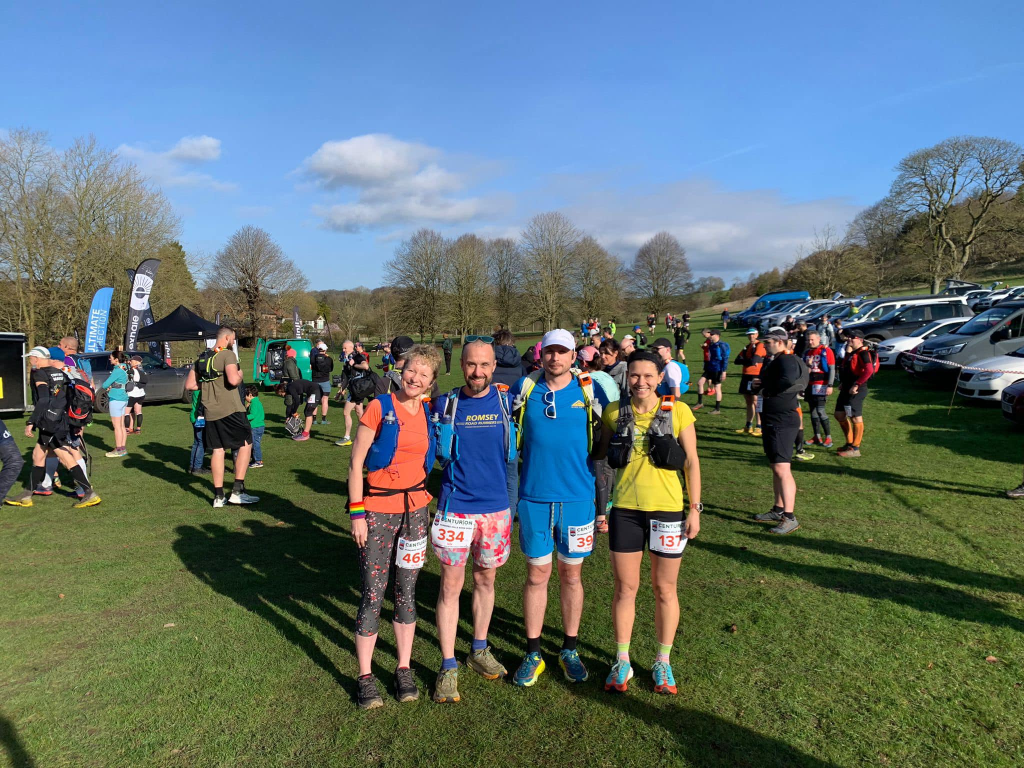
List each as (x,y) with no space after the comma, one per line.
(411,555)
(750,386)
(451,532)
(760,403)
(312,400)
(819,389)
(581,538)
(667,538)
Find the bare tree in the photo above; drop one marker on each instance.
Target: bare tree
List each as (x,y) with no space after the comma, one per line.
(877,230)
(834,264)
(548,243)
(660,271)
(506,270)
(467,306)
(598,280)
(418,270)
(972,173)
(253,267)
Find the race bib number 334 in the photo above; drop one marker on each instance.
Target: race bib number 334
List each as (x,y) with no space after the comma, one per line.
(451,532)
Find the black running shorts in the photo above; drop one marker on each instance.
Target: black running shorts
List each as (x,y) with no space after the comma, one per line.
(230,433)
(778,435)
(855,402)
(629,529)
(745,385)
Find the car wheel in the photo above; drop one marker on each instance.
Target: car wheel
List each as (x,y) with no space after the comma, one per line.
(102,401)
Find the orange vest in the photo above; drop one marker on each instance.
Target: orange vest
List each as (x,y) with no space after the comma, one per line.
(749,353)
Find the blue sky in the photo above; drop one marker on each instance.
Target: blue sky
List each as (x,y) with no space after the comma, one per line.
(341,128)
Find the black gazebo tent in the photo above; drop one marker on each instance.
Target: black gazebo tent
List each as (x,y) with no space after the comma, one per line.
(181,325)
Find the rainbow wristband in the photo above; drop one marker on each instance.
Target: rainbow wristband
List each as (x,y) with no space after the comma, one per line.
(356,510)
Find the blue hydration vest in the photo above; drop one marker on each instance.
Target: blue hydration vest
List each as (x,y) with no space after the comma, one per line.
(448,442)
(385,444)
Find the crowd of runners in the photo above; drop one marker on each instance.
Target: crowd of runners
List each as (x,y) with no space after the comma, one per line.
(590,434)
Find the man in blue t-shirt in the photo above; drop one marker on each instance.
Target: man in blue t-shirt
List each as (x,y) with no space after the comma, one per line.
(473,513)
(556,498)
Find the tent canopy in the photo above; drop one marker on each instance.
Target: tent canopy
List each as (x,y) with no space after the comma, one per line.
(181,325)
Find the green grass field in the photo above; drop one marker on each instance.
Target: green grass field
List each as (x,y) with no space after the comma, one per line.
(153,630)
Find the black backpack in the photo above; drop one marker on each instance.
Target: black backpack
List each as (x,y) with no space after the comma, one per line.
(365,387)
(322,364)
(204,366)
(81,402)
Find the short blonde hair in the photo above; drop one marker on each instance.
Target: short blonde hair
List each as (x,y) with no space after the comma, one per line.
(424,353)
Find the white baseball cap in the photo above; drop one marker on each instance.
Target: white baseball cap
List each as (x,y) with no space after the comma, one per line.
(558,338)
(628,337)
(321,345)
(42,352)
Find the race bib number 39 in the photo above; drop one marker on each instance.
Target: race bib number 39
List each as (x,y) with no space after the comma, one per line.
(667,538)
(411,555)
(451,532)
(581,538)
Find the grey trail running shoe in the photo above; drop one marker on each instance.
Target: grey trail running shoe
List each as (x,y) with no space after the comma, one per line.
(405,686)
(786,526)
(1016,493)
(367,695)
(485,665)
(771,516)
(446,690)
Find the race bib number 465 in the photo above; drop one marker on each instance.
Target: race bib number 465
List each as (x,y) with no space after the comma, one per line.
(451,532)
(667,538)
(411,555)
(581,538)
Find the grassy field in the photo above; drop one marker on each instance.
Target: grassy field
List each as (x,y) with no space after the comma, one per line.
(153,630)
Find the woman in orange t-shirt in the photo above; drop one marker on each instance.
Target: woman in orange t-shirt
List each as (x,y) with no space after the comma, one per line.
(389,518)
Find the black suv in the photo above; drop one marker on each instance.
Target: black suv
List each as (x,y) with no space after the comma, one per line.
(165,383)
(900,322)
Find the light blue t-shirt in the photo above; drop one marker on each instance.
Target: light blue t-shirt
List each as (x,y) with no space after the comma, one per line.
(555,462)
(605,389)
(474,484)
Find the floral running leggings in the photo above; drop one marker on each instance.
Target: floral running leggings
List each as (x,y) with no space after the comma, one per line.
(377,559)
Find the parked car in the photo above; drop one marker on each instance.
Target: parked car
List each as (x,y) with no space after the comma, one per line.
(995,332)
(767,301)
(753,319)
(799,312)
(889,352)
(166,383)
(998,297)
(268,359)
(973,297)
(876,309)
(899,322)
(1013,402)
(987,378)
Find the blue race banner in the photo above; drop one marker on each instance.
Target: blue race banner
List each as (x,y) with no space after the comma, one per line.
(99,315)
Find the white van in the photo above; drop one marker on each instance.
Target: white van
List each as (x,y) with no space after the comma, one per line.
(873,310)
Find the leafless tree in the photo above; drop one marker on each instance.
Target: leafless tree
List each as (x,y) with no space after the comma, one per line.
(418,270)
(253,267)
(548,243)
(877,230)
(468,304)
(506,272)
(971,174)
(598,280)
(659,272)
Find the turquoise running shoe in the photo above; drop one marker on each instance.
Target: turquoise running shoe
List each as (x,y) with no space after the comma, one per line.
(573,667)
(618,679)
(664,682)
(528,672)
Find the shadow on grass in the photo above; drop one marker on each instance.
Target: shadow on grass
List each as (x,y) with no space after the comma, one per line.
(17,756)
(926,597)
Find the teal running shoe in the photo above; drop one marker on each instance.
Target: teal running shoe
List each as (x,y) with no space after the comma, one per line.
(664,682)
(573,667)
(618,679)
(528,672)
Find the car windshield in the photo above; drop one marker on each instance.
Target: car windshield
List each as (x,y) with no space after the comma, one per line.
(1017,353)
(843,311)
(935,325)
(986,321)
(819,311)
(876,314)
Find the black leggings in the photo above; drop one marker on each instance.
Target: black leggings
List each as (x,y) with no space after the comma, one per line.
(377,560)
(12,461)
(819,415)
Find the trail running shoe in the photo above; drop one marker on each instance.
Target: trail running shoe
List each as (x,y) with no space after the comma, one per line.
(803,456)
(367,695)
(115,454)
(784,527)
(716,412)
(745,431)
(91,499)
(827,443)
(813,441)
(852,452)
(756,432)
(405,686)
(325,422)
(619,677)
(344,441)
(56,482)
(484,664)
(256,465)
(42,492)
(23,499)
(573,667)
(446,689)
(771,516)
(219,501)
(242,498)
(697,407)
(1016,493)
(300,438)
(664,682)
(528,672)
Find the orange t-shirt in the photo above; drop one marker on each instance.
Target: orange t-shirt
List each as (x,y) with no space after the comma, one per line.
(406,469)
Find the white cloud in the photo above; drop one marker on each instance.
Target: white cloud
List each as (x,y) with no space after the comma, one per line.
(393,181)
(170,168)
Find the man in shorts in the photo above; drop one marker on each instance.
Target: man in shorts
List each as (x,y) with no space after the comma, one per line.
(305,393)
(779,383)
(321,366)
(357,365)
(473,494)
(718,362)
(705,375)
(857,367)
(679,336)
(218,378)
(556,497)
(751,358)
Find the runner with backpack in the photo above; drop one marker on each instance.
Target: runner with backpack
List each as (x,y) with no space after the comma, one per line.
(649,439)
(855,370)
(321,366)
(360,385)
(388,509)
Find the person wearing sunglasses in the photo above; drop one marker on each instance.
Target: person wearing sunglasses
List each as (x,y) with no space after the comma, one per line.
(556,413)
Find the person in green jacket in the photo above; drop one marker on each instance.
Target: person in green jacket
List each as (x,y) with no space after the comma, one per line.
(257,420)
(446,346)
(195,415)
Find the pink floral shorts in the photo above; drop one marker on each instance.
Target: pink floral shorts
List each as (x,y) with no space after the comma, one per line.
(490,545)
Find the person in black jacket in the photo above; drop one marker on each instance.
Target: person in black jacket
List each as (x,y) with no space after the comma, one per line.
(508,367)
(321,365)
(779,383)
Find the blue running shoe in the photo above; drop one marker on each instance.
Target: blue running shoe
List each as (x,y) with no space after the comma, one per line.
(529,670)
(664,682)
(573,667)
(618,679)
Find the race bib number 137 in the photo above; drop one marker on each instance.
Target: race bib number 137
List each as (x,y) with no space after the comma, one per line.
(667,538)
(581,538)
